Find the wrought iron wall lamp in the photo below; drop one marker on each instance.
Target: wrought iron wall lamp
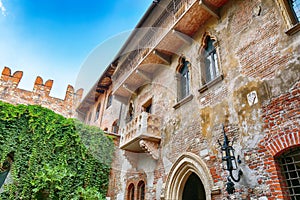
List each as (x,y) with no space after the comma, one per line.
(229,162)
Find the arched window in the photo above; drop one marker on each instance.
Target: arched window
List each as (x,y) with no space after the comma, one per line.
(209,64)
(184,79)
(290,9)
(293,7)
(115,127)
(290,167)
(141,191)
(130,113)
(109,100)
(97,111)
(296,9)
(130,192)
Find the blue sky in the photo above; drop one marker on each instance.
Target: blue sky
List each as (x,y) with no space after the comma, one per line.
(54,38)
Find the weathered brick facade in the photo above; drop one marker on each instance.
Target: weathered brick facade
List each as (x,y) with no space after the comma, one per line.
(9,92)
(255,94)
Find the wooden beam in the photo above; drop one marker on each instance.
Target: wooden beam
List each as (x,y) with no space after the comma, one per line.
(102,87)
(213,11)
(185,38)
(128,88)
(100,91)
(120,98)
(165,58)
(144,75)
(113,66)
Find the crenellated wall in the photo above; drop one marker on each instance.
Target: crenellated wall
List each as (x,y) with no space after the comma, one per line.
(40,95)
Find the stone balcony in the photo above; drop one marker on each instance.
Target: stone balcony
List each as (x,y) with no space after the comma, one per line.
(142,134)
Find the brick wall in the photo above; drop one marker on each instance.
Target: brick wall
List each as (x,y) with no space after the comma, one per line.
(255,55)
(282,129)
(9,92)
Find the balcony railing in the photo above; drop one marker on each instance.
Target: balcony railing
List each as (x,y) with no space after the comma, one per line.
(144,127)
(171,14)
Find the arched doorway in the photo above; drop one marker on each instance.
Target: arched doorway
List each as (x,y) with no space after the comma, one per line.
(193,188)
(189,173)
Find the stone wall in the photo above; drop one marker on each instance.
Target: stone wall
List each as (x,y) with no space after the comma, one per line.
(255,57)
(107,115)
(9,92)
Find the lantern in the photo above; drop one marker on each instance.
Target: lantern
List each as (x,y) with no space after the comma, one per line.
(229,162)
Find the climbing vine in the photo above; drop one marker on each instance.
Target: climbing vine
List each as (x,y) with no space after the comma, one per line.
(53,157)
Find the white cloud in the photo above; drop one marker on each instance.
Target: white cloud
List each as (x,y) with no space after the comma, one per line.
(2,8)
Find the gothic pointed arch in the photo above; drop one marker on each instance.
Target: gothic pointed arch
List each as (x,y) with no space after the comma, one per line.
(209,60)
(186,165)
(183,78)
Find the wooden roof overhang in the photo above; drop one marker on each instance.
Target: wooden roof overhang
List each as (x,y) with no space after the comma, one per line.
(99,88)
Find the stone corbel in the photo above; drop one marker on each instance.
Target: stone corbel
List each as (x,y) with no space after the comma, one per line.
(151,148)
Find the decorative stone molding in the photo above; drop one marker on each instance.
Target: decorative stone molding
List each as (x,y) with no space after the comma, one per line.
(186,164)
(144,126)
(151,148)
(292,24)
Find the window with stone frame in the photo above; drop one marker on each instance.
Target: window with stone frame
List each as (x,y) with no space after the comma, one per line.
(289,163)
(97,114)
(184,79)
(141,191)
(209,65)
(294,7)
(130,113)
(291,13)
(147,106)
(115,127)
(109,100)
(130,192)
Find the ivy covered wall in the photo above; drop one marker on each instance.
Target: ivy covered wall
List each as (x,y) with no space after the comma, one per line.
(52,157)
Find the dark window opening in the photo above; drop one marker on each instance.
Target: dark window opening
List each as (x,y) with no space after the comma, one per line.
(147,107)
(130,194)
(290,168)
(97,112)
(109,100)
(184,79)
(141,190)
(130,113)
(115,127)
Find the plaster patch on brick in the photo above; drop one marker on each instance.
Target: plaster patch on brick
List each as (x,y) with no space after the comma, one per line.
(167,164)
(159,188)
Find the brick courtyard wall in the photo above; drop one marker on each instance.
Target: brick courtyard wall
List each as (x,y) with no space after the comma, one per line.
(9,92)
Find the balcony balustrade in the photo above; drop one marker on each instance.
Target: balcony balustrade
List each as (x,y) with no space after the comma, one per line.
(142,134)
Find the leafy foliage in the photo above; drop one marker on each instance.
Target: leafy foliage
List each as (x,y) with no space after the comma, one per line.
(54,157)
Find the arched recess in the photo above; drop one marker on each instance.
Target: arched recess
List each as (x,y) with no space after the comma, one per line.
(185,165)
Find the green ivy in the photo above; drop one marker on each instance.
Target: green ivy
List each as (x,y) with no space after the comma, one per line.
(54,157)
